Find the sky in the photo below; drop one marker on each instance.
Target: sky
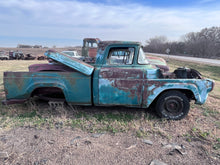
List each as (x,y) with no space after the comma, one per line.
(67,22)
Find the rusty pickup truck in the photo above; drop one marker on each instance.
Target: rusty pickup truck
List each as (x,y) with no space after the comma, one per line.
(120,76)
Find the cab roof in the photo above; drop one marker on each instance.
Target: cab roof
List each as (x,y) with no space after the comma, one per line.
(103,44)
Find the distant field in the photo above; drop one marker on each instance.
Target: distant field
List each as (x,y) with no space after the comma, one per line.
(200,128)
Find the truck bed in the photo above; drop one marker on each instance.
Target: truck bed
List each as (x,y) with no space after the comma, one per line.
(19,86)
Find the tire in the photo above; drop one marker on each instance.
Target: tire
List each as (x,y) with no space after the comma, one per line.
(172,105)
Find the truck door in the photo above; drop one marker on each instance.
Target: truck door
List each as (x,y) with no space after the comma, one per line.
(120,83)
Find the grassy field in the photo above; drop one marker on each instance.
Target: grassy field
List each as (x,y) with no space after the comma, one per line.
(201,123)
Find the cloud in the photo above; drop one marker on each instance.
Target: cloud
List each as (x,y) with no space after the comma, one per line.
(76,20)
(206,1)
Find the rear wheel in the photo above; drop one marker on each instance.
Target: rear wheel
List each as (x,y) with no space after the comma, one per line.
(172,105)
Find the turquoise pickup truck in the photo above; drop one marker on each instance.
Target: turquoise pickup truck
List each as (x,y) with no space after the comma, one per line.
(120,76)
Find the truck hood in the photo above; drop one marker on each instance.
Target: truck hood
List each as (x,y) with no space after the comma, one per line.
(159,62)
(71,62)
(156,60)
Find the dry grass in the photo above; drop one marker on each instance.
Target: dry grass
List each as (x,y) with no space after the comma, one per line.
(201,124)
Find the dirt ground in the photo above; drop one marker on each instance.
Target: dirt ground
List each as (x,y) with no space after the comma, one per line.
(67,146)
(29,144)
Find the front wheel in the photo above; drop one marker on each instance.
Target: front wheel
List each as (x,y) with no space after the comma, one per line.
(172,105)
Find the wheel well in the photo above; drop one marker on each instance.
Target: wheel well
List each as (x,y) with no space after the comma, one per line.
(189,94)
(50,92)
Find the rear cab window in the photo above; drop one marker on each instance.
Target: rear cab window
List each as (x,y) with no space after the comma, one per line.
(120,56)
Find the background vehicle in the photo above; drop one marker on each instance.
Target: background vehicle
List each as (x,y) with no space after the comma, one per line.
(72,53)
(16,55)
(29,57)
(90,46)
(4,56)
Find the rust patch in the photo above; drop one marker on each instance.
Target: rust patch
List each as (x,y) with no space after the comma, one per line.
(50,67)
(128,80)
(120,73)
(13,101)
(146,92)
(134,87)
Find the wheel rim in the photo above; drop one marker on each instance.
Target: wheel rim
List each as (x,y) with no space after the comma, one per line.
(173,106)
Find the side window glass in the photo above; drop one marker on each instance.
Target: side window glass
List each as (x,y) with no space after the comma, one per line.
(120,56)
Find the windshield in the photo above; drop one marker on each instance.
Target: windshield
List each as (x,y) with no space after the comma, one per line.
(70,53)
(142,57)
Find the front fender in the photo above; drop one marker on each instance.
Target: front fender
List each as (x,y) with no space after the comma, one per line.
(199,88)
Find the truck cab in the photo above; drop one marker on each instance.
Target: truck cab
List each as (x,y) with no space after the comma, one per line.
(90,46)
(120,67)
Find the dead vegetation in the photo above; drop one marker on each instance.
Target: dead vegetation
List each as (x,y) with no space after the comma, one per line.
(36,133)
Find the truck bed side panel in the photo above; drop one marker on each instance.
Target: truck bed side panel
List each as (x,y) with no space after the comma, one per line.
(75,86)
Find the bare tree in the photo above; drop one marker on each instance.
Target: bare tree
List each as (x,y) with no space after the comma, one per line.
(205,43)
(156,44)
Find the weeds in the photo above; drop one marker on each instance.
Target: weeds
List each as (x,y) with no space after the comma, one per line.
(217,124)
(101,122)
(216,145)
(196,134)
(207,111)
(28,115)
